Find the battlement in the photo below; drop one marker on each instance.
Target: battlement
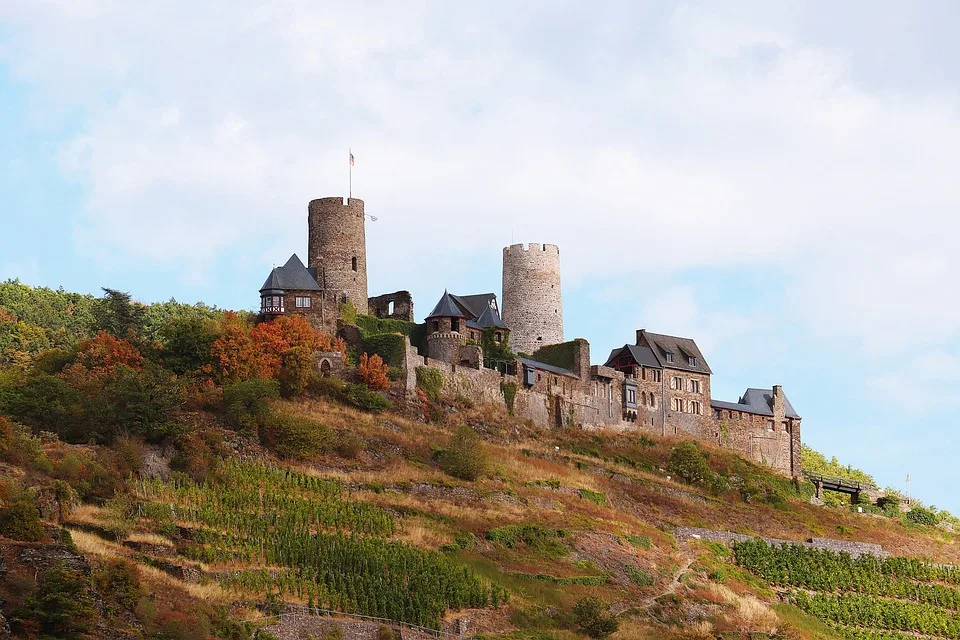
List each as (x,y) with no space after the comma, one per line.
(445,335)
(336,205)
(533,248)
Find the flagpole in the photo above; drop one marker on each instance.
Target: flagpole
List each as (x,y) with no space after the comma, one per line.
(350,162)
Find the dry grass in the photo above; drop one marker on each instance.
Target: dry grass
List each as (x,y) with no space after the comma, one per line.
(89,514)
(149,538)
(95,545)
(88,543)
(753,614)
(420,534)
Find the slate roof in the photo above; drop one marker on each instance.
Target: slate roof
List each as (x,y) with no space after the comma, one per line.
(447,308)
(480,310)
(547,367)
(757,401)
(643,355)
(292,276)
(681,348)
(477,303)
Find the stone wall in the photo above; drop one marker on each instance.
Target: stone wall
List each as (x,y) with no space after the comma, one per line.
(402,301)
(532,304)
(337,248)
(322,312)
(837,546)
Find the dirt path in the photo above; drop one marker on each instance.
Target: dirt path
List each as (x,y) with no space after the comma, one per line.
(674,583)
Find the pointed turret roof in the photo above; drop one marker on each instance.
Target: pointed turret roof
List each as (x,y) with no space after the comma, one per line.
(292,276)
(446,308)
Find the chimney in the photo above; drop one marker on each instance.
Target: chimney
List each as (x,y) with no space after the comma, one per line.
(778,401)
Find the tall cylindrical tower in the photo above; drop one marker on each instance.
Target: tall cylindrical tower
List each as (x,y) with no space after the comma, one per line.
(338,248)
(532,307)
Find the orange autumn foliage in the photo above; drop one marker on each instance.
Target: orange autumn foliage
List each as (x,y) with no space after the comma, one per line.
(104,352)
(242,352)
(373,372)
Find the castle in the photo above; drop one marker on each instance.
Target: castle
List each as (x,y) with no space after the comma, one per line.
(518,356)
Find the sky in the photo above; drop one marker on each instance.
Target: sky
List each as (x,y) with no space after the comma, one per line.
(777,180)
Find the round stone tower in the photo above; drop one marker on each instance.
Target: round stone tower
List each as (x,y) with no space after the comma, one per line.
(338,248)
(532,307)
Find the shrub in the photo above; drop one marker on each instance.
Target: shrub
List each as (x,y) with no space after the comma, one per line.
(921,515)
(509,391)
(61,605)
(349,444)
(641,542)
(593,496)
(359,396)
(592,616)
(546,542)
(118,581)
(327,387)
(295,371)
(430,380)
(247,404)
(639,576)
(294,436)
(688,463)
(20,519)
(373,372)
(348,313)
(466,457)
(387,633)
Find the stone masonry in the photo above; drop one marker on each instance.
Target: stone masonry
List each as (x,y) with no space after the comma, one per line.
(337,248)
(532,306)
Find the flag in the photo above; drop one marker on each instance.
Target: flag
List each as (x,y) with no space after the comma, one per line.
(908,478)
(352,163)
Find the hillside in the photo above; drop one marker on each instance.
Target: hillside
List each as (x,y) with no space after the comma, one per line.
(197,479)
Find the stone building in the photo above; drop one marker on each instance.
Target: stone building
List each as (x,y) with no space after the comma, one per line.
(763,425)
(661,383)
(457,326)
(292,288)
(673,382)
(337,250)
(532,305)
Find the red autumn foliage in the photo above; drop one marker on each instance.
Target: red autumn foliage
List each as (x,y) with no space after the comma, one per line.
(373,372)
(104,352)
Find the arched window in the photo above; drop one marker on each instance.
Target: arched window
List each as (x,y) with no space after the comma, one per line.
(354,263)
(324,368)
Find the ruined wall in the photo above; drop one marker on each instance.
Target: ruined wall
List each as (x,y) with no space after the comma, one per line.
(337,248)
(379,306)
(532,305)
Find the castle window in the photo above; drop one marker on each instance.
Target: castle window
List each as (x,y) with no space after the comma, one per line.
(676,383)
(694,386)
(696,408)
(643,374)
(454,324)
(435,326)
(770,425)
(498,336)
(652,401)
(718,413)
(657,375)
(678,405)
(669,357)
(692,360)
(354,263)
(303,302)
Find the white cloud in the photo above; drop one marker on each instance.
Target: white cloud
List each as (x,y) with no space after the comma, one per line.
(922,384)
(701,138)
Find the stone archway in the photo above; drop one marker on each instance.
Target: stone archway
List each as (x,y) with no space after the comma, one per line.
(325,368)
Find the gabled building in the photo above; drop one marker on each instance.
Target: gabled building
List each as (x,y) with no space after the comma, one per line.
(764,425)
(672,382)
(458,320)
(291,288)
